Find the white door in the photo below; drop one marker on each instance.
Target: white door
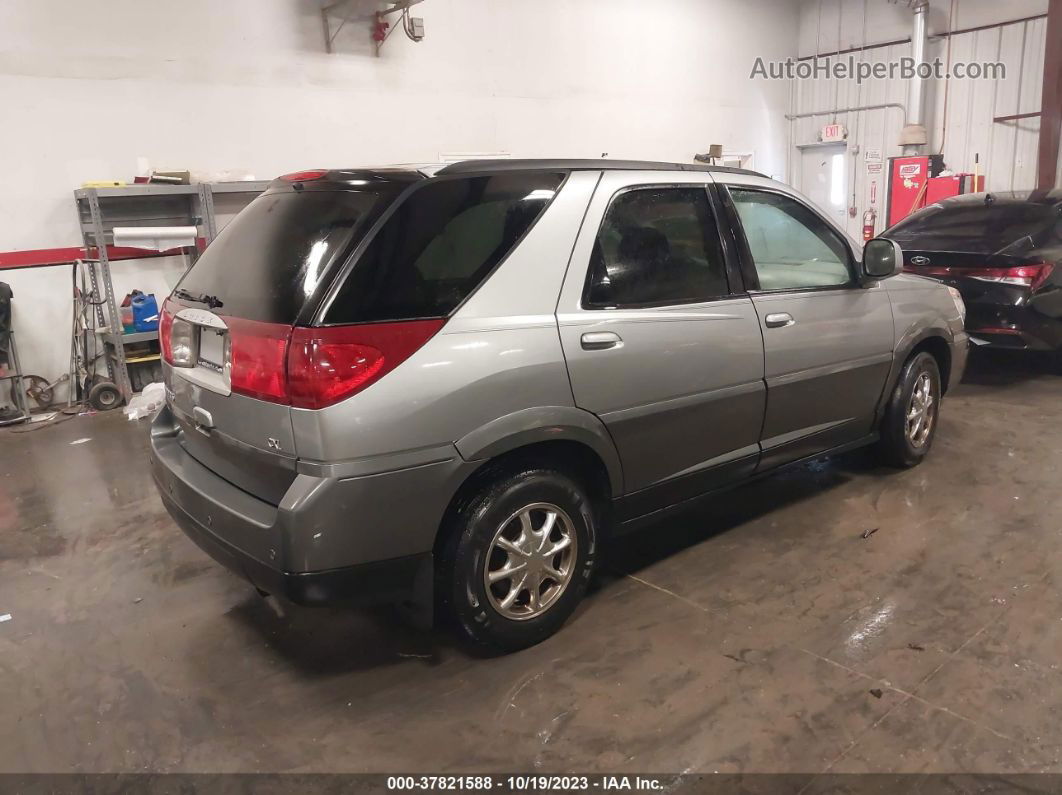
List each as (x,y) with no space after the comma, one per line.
(824,179)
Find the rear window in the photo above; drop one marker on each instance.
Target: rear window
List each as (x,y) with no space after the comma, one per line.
(271,257)
(439,245)
(657,246)
(980,228)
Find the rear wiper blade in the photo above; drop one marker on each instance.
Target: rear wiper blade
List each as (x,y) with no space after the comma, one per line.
(210,300)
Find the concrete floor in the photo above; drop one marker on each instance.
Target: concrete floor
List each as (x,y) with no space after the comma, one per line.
(760,632)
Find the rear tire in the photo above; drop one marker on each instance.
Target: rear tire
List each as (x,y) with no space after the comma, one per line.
(912,415)
(514,524)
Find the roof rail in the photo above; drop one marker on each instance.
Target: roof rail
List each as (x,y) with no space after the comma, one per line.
(480,166)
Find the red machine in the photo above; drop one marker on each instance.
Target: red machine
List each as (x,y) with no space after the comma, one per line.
(946,187)
(909,179)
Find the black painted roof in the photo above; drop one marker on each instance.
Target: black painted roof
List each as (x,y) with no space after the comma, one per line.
(345,178)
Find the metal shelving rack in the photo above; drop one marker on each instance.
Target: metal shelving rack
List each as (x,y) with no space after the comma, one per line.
(99,210)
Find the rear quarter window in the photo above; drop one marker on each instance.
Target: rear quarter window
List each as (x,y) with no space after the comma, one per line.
(439,245)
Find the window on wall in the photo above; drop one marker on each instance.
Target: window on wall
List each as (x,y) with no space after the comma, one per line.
(657,246)
(837,180)
(791,247)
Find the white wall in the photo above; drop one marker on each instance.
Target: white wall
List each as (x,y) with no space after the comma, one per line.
(1008,151)
(88,88)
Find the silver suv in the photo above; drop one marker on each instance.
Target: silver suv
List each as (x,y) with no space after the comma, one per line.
(452,385)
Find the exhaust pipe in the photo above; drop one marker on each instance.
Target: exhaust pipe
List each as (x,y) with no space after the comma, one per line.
(913,137)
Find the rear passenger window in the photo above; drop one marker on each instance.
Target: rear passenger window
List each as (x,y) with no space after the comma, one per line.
(439,245)
(656,246)
(792,248)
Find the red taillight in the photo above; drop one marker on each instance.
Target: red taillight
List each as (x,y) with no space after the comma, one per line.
(1023,275)
(315,367)
(305,176)
(165,326)
(1032,276)
(328,364)
(259,354)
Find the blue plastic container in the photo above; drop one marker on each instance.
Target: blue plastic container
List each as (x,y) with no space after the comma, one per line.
(145,313)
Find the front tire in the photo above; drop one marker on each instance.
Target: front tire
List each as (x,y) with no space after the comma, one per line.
(518,558)
(910,421)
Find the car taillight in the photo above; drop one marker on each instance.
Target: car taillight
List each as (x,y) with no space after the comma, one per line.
(305,176)
(178,338)
(330,363)
(184,343)
(315,367)
(1023,275)
(165,327)
(257,358)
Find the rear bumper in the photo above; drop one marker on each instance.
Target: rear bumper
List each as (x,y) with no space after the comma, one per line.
(354,540)
(368,583)
(1015,327)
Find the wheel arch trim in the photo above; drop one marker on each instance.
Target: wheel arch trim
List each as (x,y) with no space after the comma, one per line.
(544,424)
(913,340)
(908,342)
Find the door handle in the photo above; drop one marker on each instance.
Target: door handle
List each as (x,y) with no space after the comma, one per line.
(778,320)
(600,340)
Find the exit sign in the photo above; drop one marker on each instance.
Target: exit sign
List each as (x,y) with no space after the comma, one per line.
(834,132)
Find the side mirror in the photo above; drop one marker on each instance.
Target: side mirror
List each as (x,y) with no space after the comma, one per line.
(882,258)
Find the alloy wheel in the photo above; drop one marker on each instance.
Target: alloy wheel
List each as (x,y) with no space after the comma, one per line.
(921,411)
(530,561)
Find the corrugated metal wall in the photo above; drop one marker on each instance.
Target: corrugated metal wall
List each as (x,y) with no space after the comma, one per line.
(1008,150)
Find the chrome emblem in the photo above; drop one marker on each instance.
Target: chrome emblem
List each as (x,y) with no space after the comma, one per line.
(919,260)
(201,317)
(274,444)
